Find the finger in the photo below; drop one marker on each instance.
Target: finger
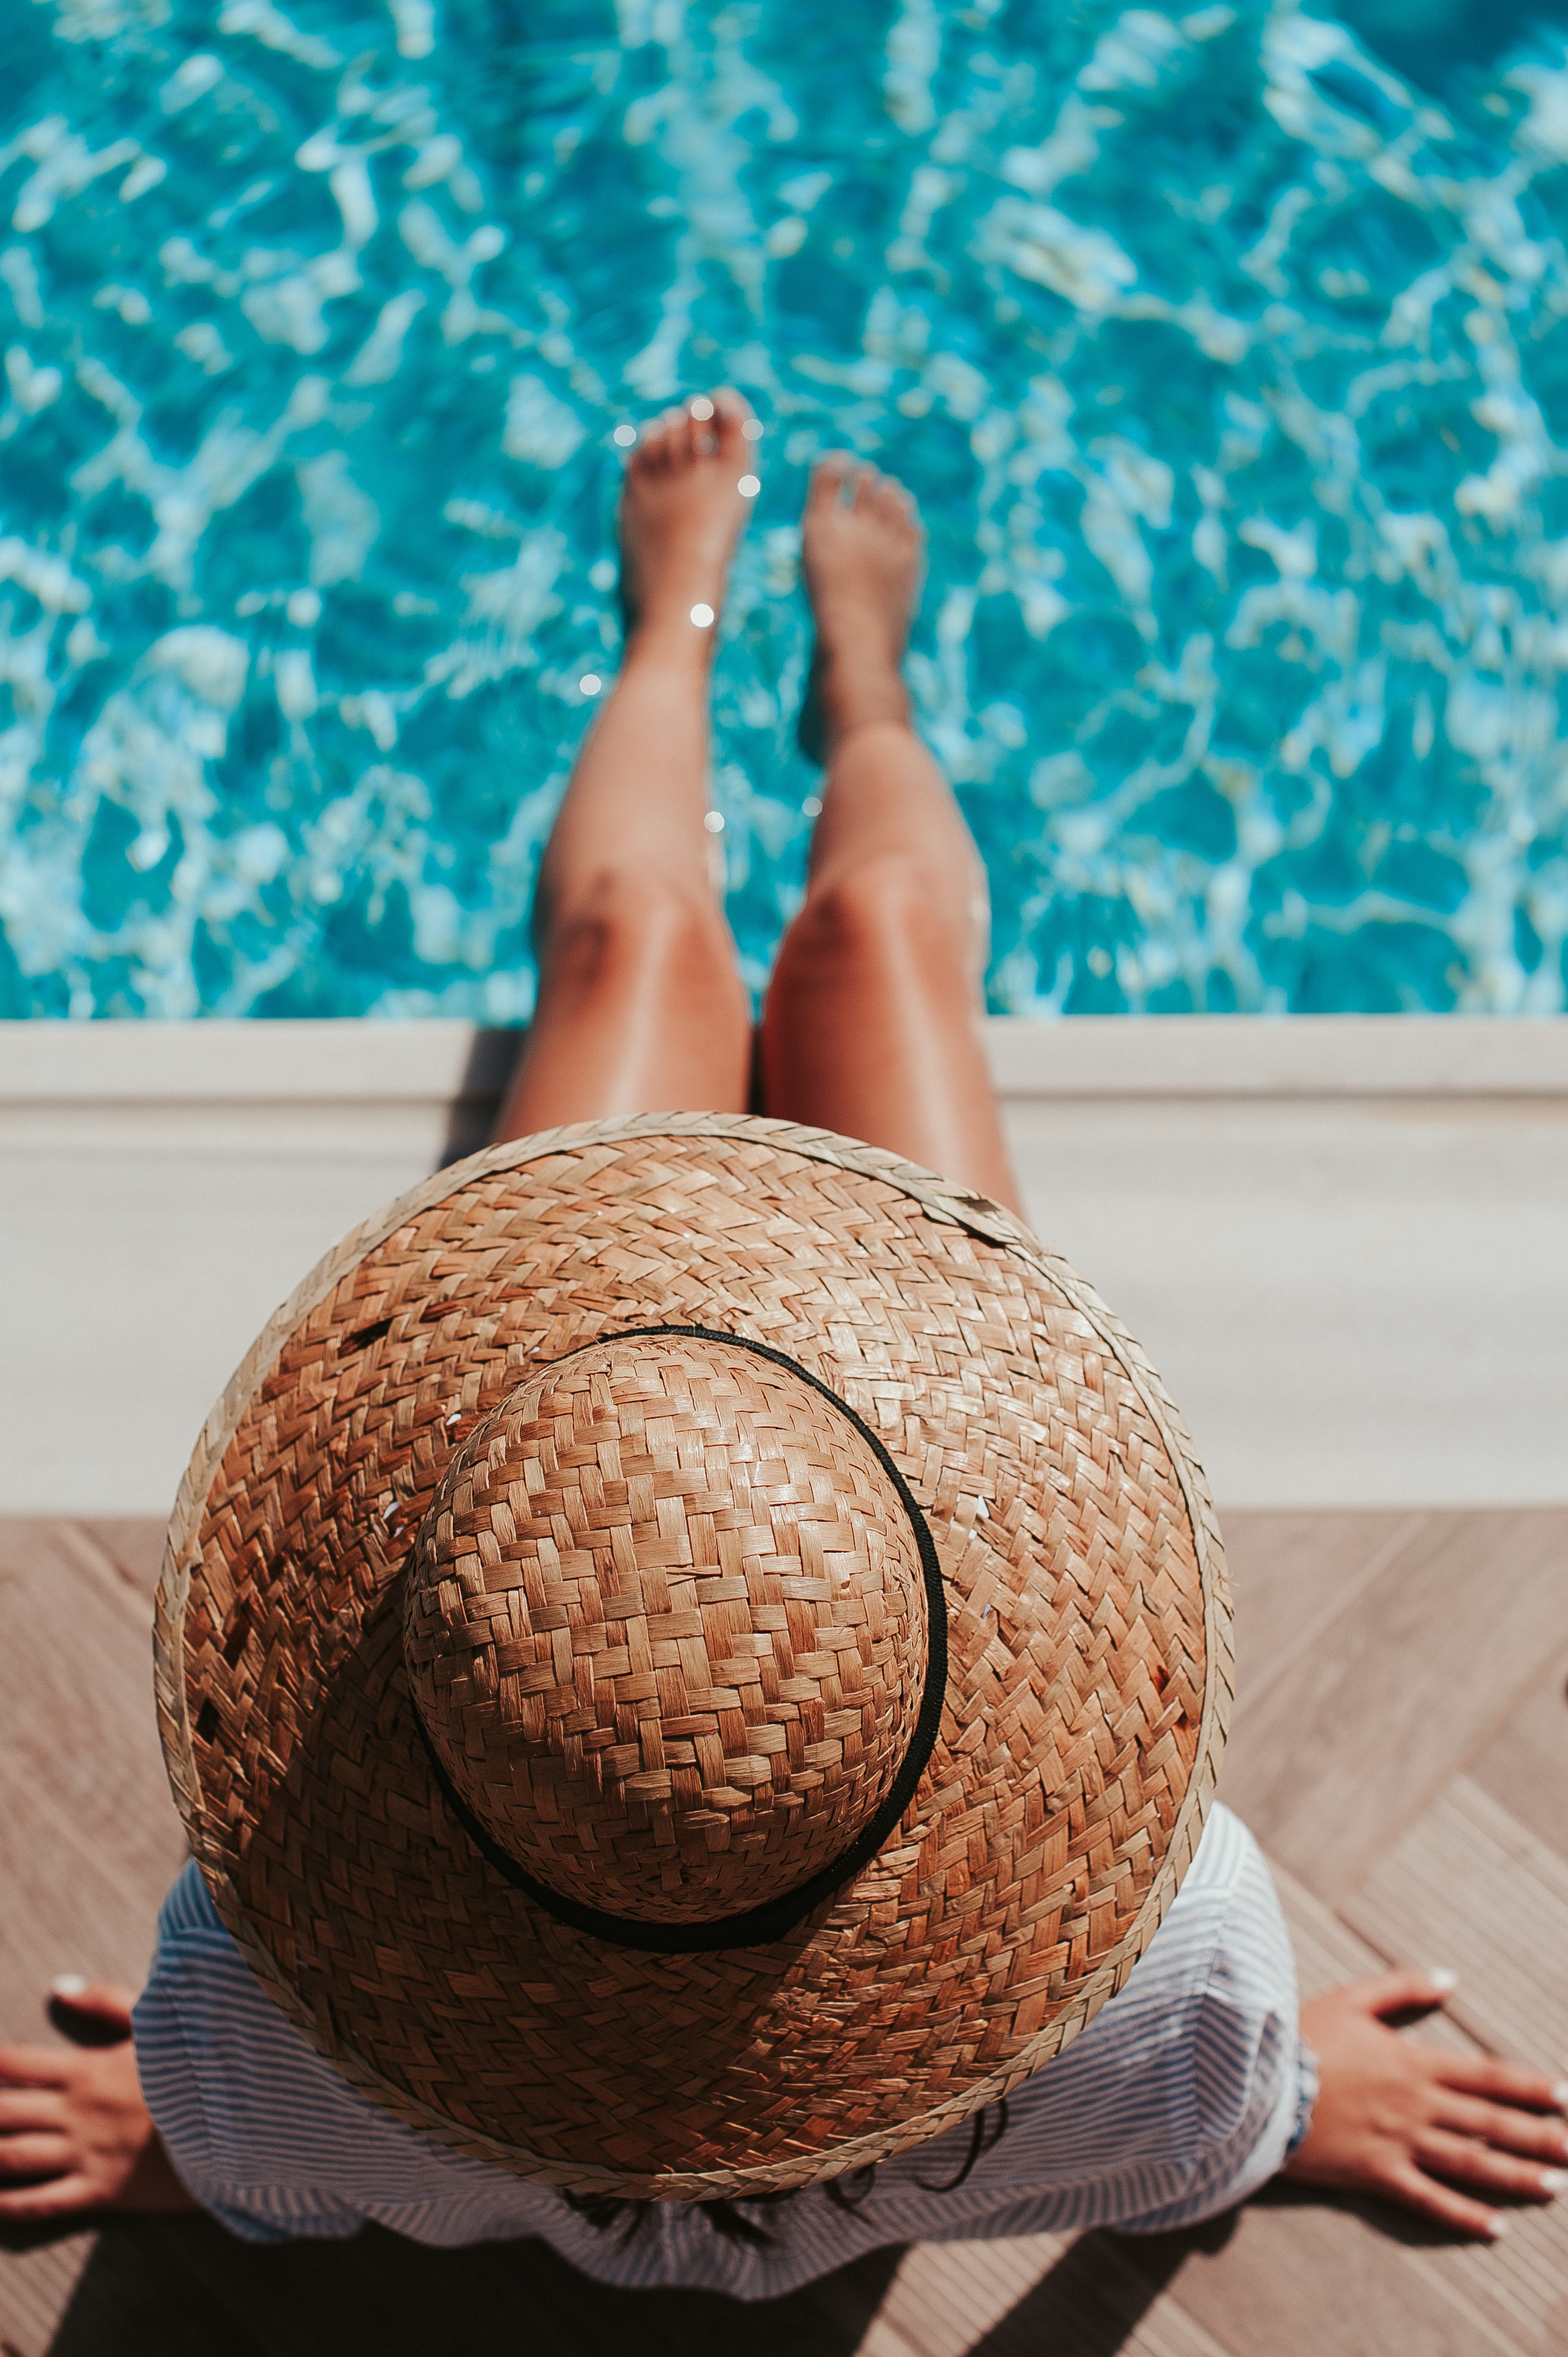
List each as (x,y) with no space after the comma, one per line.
(1429,2199)
(90,2013)
(60,2198)
(1540,2135)
(1504,2082)
(34,2156)
(32,2066)
(1410,1992)
(31,2108)
(1470,2163)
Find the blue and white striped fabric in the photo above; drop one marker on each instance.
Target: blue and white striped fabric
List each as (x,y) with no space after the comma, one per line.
(1182,2097)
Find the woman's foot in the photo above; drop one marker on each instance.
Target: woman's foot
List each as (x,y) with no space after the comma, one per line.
(681,511)
(864,552)
(75,2135)
(1415,2123)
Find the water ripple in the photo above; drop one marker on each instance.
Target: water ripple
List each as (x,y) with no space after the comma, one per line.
(1226,365)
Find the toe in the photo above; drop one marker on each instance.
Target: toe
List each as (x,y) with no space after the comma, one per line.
(654,450)
(828,478)
(732,415)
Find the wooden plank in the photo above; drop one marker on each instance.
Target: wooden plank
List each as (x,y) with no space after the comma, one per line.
(1297,2276)
(135,2296)
(1525,1765)
(134,1543)
(1315,2276)
(380,2294)
(1415,1674)
(945,2296)
(77,1725)
(1290,1574)
(69,1909)
(1471,1888)
(1505,2295)
(35,2289)
(1097,2297)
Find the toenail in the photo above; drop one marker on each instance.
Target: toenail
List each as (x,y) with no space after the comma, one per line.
(67,1985)
(752,429)
(625,436)
(702,616)
(702,408)
(748,487)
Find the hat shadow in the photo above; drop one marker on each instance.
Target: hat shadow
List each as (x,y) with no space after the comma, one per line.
(488,1066)
(187,2287)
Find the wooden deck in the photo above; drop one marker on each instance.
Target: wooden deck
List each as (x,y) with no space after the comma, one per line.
(1401,1746)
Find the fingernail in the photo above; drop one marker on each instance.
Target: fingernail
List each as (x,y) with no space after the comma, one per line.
(1496,2227)
(1560,2095)
(67,1985)
(1553,2181)
(1442,1978)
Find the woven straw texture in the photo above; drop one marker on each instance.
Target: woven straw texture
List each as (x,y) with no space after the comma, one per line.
(665,1626)
(727,1731)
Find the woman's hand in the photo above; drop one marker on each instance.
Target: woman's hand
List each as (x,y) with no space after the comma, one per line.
(1414,2123)
(74,2133)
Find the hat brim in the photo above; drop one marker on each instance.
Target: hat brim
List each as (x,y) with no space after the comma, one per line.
(1088,1693)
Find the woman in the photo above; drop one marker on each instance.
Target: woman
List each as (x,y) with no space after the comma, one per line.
(1194,2083)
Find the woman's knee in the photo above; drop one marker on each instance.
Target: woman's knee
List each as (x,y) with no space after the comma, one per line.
(890,910)
(622,929)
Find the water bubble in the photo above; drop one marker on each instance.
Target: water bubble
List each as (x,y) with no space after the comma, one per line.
(625,436)
(715,822)
(590,682)
(702,616)
(702,408)
(748,487)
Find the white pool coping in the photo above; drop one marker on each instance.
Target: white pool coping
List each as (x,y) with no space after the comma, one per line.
(1343,1239)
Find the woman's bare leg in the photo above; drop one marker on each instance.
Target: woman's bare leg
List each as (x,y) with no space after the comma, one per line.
(642,1008)
(871,1023)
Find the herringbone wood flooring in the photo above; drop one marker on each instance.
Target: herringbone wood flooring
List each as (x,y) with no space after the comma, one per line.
(1401,1748)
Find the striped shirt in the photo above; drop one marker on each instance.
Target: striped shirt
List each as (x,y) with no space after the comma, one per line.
(1182,2097)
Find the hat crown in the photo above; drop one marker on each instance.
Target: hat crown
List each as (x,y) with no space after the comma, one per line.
(666,1628)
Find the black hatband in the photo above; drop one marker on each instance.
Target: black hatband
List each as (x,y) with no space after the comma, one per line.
(753,1926)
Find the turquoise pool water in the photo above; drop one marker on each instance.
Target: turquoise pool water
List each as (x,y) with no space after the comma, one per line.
(1226,357)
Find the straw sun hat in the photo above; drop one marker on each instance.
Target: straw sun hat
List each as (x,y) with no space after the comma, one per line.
(693,1654)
